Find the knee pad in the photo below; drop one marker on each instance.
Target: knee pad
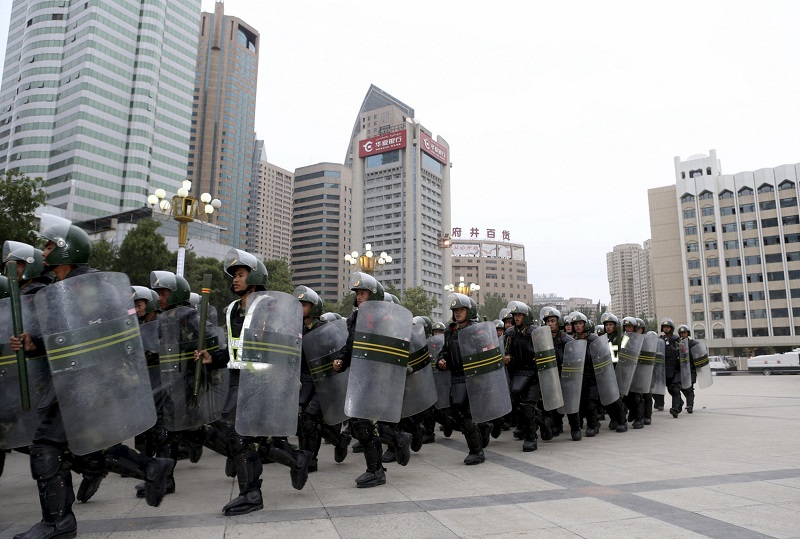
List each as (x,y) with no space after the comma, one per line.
(46,461)
(468,426)
(309,424)
(674,389)
(362,429)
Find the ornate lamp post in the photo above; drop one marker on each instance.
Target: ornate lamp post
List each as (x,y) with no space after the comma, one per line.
(368,262)
(184,208)
(462,287)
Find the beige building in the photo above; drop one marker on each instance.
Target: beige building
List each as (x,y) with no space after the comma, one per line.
(498,267)
(726,254)
(321,229)
(223,119)
(271,232)
(629,280)
(401,194)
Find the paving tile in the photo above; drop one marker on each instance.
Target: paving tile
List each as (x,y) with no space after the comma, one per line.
(481,521)
(774,521)
(578,511)
(697,499)
(416,525)
(633,528)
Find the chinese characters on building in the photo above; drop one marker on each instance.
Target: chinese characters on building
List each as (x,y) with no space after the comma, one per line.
(475,232)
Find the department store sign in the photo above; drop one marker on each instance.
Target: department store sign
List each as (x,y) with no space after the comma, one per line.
(382,144)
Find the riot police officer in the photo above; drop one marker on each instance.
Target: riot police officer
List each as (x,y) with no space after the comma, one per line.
(688,393)
(476,436)
(590,396)
(525,388)
(312,427)
(369,433)
(616,410)
(633,401)
(672,366)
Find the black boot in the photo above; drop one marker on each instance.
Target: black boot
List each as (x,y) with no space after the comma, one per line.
(56,499)
(527,422)
(389,455)
(574,427)
(281,452)
(340,449)
(89,485)
(248,474)
(473,437)
(375,474)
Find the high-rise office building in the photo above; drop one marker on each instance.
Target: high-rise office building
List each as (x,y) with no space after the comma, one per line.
(629,281)
(321,229)
(271,227)
(223,120)
(726,254)
(401,194)
(96,99)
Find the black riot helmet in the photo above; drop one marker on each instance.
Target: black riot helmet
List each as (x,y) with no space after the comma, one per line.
(640,325)
(629,321)
(72,244)
(438,326)
(177,285)
(518,307)
(547,312)
(391,298)
(142,292)
(257,273)
(365,281)
(460,300)
(307,295)
(504,314)
(426,324)
(330,317)
(669,323)
(684,327)
(22,252)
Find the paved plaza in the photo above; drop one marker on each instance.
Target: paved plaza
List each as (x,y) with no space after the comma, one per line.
(731,469)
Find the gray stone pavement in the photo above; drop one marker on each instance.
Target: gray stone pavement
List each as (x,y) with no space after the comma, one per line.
(730,470)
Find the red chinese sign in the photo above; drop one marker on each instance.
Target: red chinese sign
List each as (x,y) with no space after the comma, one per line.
(433,148)
(382,144)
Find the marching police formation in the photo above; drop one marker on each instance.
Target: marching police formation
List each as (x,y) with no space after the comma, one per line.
(157,367)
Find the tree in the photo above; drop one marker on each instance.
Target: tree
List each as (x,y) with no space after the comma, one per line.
(19,198)
(142,251)
(280,276)
(417,301)
(345,305)
(492,305)
(104,256)
(221,295)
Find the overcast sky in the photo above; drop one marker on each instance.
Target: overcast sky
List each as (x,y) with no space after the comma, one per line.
(559,115)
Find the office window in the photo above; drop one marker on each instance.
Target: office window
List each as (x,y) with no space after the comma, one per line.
(694,263)
(691,230)
(745,191)
(733,262)
(735,297)
(695,281)
(697,298)
(689,214)
(692,247)
(734,279)
(725,194)
(708,210)
(711,245)
(687,198)
(727,210)
(714,279)
(698,316)
(709,228)
(756,295)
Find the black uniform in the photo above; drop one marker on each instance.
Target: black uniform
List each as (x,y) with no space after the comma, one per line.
(477,436)
(590,395)
(672,368)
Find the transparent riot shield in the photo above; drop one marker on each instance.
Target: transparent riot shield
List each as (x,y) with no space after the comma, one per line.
(686,366)
(643,376)
(628,358)
(17,426)
(441,378)
(484,372)
(572,375)
(659,384)
(378,362)
(149,333)
(420,391)
(96,358)
(182,410)
(700,360)
(547,368)
(604,370)
(320,348)
(269,383)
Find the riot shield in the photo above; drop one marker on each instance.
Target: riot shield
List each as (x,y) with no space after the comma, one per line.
(628,358)
(546,366)
(484,372)
(17,426)
(149,333)
(441,378)
(700,360)
(320,348)
(604,370)
(96,357)
(378,362)
(659,384)
(269,383)
(686,366)
(643,376)
(182,410)
(420,391)
(572,375)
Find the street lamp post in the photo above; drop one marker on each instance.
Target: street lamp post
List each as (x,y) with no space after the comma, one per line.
(184,208)
(462,287)
(368,262)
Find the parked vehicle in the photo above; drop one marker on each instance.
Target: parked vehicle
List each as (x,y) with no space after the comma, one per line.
(775,363)
(721,365)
